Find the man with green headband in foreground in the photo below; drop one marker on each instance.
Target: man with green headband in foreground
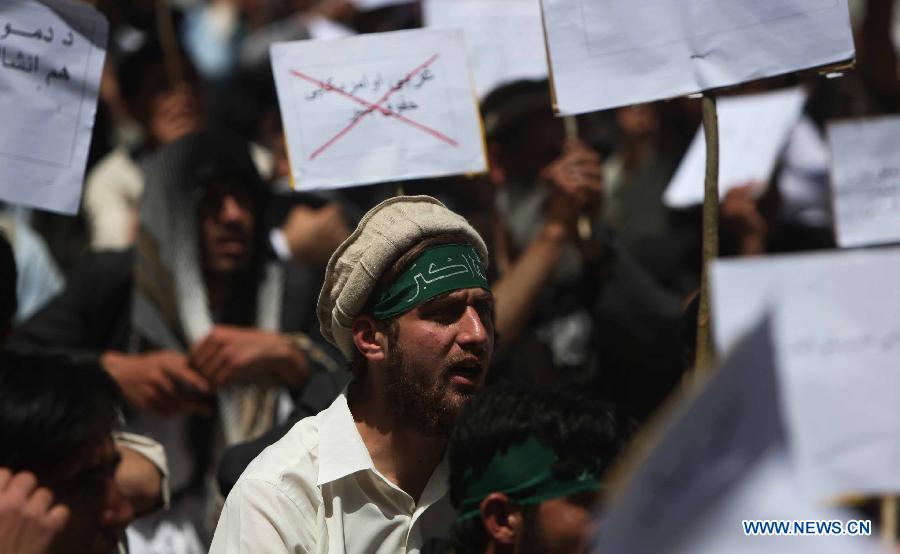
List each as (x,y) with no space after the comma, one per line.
(525,468)
(406,300)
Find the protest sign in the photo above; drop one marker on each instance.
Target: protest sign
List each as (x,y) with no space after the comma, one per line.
(837,342)
(718,460)
(610,53)
(753,130)
(836,338)
(504,38)
(767,494)
(51,57)
(865,180)
(378,108)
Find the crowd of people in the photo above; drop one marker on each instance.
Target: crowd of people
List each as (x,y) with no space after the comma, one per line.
(207,360)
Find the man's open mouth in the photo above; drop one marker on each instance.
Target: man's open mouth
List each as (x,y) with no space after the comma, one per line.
(466,374)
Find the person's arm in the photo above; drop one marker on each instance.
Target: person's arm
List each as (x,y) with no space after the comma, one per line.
(576,185)
(515,291)
(143,474)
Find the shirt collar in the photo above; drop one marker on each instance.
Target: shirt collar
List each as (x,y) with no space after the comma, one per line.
(341,449)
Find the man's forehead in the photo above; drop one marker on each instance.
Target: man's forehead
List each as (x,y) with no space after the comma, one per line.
(476,293)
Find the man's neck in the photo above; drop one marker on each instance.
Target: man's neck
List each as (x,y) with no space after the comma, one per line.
(218,290)
(405,456)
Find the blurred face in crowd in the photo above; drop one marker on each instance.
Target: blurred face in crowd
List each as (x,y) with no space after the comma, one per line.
(560,525)
(99,510)
(438,355)
(639,121)
(538,144)
(227,223)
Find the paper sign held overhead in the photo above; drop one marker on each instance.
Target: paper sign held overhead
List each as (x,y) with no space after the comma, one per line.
(51,57)
(610,53)
(378,108)
(753,130)
(504,38)
(865,180)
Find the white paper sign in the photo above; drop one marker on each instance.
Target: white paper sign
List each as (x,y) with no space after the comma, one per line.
(837,339)
(718,460)
(377,108)
(504,38)
(610,53)
(769,491)
(865,180)
(753,130)
(51,57)
(837,343)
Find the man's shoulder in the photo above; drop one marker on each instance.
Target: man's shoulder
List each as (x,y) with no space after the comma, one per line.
(275,503)
(291,464)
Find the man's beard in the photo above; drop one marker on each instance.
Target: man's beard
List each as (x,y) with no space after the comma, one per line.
(420,398)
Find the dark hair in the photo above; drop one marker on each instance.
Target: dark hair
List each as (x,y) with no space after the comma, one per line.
(584,434)
(8,277)
(132,68)
(508,108)
(357,364)
(52,409)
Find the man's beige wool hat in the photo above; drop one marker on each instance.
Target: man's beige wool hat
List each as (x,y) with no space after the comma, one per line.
(384,234)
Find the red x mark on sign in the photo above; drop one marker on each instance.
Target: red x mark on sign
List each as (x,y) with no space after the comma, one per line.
(377,106)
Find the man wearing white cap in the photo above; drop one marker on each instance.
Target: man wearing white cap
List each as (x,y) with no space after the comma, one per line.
(407,301)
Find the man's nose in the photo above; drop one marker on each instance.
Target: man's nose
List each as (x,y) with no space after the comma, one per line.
(472,329)
(231,209)
(117,510)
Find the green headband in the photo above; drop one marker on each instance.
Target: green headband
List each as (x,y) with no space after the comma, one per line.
(524,473)
(439,269)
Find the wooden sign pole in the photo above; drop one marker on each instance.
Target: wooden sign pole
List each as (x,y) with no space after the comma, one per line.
(169,43)
(890,506)
(705,354)
(585,229)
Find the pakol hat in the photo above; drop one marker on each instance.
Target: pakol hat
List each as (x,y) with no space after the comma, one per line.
(384,234)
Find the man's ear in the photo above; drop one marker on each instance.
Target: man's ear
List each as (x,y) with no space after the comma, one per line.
(502,520)
(370,342)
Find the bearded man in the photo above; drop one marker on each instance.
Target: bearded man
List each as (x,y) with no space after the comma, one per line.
(407,302)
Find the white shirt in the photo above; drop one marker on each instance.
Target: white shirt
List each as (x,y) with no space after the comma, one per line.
(316,490)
